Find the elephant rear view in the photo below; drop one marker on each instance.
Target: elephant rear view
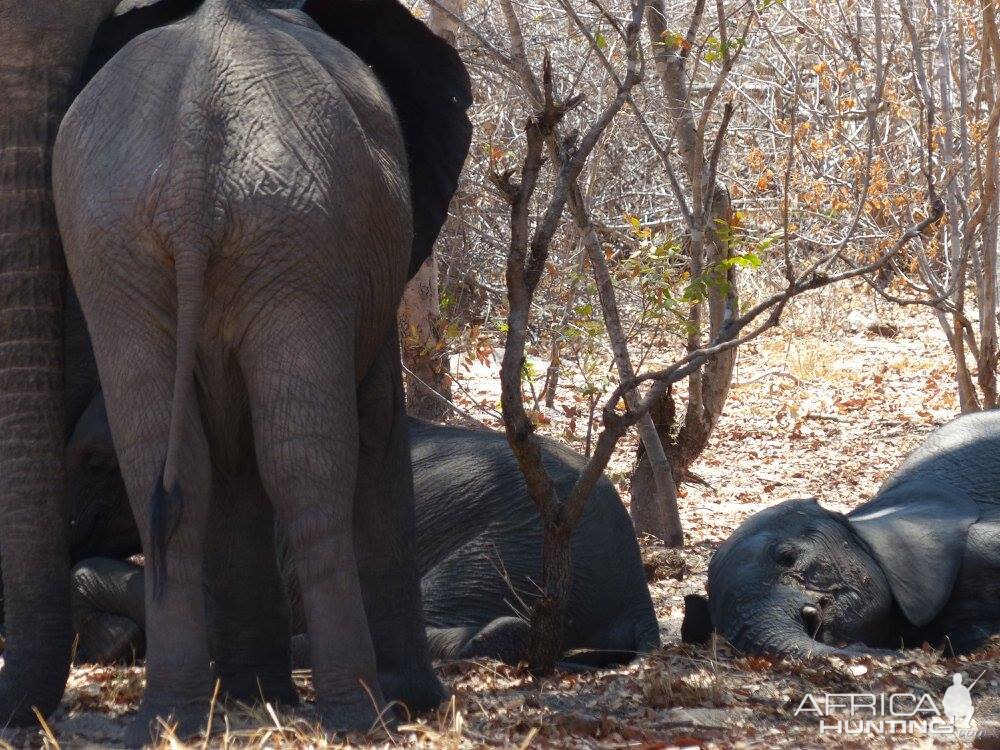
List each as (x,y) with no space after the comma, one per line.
(239,236)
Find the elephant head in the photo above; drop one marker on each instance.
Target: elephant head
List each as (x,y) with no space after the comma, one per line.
(799,579)
(45,45)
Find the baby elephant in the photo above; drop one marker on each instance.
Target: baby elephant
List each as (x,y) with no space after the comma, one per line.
(920,562)
(478,551)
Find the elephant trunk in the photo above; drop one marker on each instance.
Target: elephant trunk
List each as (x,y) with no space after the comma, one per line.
(769,623)
(776,633)
(33,523)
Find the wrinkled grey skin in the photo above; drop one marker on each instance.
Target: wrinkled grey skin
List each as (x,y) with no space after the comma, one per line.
(474,520)
(479,535)
(919,562)
(43,47)
(239,277)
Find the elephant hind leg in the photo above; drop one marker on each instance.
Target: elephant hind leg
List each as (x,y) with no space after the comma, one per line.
(137,363)
(506,639)
(618,643)
(303,402)
(385,537)
(248,615)
(445,644)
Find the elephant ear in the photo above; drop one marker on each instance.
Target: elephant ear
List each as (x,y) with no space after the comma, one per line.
(697,625)
(430,90)
(917,532)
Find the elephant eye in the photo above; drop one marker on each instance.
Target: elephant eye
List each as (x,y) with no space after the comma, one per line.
(785,555)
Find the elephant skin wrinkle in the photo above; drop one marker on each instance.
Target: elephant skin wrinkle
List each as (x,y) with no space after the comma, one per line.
(233,195)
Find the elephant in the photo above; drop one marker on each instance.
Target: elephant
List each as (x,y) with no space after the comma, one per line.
(478,551)
(918,563)
(237,198)
(49,52)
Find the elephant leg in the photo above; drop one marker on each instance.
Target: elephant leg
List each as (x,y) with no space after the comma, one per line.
(968,637)
(248,616)
(304,409)
(445,644)
(178,673)
(138,382)
(385,537)
(108,610)
(137,360)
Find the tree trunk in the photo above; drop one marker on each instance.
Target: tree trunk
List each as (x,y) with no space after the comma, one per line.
(442,23)
(649,517)
(548,610)
(42,56)
(988,304)
(428,385)
(423,344)
(711,383)
(709,386)
(660,507)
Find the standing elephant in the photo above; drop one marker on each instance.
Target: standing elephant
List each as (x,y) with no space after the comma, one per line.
(919,562)
(234,196)
(44,48)
(478,553)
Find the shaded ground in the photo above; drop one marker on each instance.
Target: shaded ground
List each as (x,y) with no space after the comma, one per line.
(813,414)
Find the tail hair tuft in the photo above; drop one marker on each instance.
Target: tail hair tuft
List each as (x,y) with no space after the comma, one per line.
(165,507)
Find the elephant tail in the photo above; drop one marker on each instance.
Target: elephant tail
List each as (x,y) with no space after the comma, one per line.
(167,502)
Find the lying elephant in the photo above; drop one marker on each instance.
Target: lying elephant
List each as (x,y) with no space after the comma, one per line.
(478,551)
(918,563)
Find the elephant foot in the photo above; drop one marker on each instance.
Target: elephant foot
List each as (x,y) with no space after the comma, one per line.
(361,716)
(418,690)
(505,639)
(253,685)
(108,639)
(151,723)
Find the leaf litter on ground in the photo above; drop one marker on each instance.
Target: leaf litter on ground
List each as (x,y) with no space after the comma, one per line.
(815,411)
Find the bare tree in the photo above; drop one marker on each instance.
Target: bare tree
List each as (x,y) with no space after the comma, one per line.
(424,348)
(561,153)
(961,257)
(708,208)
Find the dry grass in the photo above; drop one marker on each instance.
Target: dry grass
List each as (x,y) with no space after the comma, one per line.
(817,410)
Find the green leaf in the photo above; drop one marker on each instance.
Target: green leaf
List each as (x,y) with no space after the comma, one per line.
(746,260)
(601,40)
(768,241)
